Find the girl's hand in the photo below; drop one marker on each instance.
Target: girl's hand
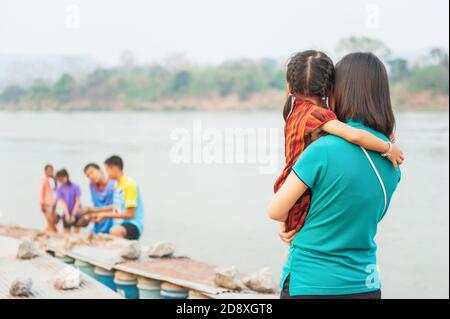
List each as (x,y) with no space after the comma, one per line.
(396,156)
(99,218)
(392,138)
(86,210)
(285,236)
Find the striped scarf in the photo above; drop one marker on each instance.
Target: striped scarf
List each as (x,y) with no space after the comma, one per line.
(304,120)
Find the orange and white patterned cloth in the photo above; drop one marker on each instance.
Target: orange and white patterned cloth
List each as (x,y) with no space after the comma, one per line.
(304,120)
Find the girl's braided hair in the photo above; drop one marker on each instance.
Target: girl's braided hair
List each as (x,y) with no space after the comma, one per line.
(310,73)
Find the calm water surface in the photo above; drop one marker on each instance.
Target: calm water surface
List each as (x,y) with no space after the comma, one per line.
(217,212)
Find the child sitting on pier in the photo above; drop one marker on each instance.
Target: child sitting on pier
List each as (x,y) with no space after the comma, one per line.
(102,195)
(127,209)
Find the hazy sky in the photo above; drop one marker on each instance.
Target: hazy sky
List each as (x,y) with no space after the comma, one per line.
(214,30)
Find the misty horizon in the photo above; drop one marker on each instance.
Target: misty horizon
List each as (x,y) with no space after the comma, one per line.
(202,31)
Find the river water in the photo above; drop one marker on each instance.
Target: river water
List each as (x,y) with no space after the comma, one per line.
(216,211)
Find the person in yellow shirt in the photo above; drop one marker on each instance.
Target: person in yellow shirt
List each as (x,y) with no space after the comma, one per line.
(127,209)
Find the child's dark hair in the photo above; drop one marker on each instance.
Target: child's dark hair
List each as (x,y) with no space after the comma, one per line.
(63,173)
(93,165)
(310,73)
(46,167)
(115,161)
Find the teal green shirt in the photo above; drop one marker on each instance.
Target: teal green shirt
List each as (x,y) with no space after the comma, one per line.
(335,251)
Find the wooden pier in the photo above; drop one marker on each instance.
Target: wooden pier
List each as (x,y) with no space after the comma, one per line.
(41,270)
(196,276)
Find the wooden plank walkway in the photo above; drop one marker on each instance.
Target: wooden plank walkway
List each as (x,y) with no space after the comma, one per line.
(41,270)
(181,271)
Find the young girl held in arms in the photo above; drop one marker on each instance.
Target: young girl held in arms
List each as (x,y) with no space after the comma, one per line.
(310,78)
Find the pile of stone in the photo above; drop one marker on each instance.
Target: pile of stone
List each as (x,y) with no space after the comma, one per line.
(260,281)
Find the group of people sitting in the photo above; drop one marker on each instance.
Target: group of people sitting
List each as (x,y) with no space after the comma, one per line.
(117,207)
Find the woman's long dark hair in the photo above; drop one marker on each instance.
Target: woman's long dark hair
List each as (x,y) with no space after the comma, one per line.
(310,73)
(64,173)
(361,92)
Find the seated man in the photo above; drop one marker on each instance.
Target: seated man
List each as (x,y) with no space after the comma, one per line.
(127,209)
(102,195)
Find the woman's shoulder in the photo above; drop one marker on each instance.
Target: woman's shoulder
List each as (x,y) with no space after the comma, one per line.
(328,142)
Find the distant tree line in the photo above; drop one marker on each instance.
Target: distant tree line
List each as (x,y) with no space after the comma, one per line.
(242,78)
(151,83)
(430,72)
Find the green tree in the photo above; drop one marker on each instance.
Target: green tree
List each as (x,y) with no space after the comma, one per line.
(64,88)
(439,56)
(430,77)
(277,80)
(40,90)
(399,69)
(102,84)
(432,73)
(180,83)
(12,93)
(363,44)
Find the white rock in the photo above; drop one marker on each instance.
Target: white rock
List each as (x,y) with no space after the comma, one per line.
(21,287)
(228,277)
(69,278)
(161,249)
(260,281)
(131,251)
(27,250)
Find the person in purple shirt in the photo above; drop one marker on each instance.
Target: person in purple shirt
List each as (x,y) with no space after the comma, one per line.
(68,197)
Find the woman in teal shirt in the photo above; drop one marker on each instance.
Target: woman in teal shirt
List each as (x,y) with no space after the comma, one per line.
(334,254)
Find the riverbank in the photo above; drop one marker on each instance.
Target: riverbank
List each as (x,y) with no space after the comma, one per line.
(402,100)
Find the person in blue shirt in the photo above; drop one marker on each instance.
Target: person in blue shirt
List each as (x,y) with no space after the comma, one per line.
(127,208)
(334,254)
(102,195)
